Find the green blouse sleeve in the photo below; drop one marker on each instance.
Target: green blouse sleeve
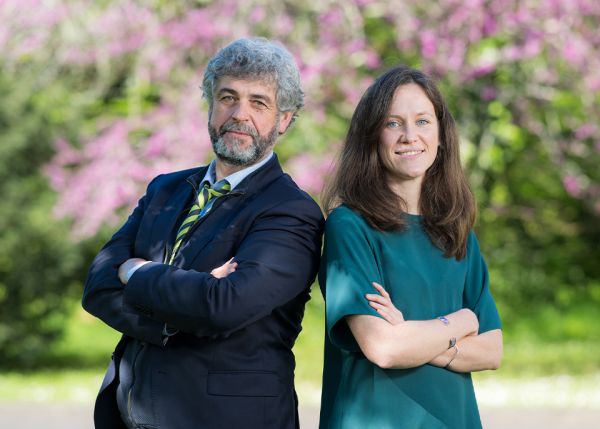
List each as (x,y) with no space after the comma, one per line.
(348,268)
(477,295)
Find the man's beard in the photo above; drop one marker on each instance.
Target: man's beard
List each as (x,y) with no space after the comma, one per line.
(234,153)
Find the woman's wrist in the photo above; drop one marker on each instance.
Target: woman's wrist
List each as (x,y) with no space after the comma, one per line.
(454,355)
(464,322)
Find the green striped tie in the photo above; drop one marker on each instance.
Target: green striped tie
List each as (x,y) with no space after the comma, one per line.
(204,196)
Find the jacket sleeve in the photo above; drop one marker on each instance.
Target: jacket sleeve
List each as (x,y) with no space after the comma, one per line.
(277,260)
(103,293)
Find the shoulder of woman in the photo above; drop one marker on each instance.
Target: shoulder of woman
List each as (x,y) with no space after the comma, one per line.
(345,216)
(472,242)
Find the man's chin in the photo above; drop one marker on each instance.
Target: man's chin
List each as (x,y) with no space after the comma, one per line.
(231,160)
(236,157)
(236,141)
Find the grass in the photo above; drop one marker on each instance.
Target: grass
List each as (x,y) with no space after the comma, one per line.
(544,343)
(63,385)
(87,343)
(551,357)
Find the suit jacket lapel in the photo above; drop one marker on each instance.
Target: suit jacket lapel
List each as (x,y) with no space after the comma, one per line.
(220,216)
(210,227)
(166,209)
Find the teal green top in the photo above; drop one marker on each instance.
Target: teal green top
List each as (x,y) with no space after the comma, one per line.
(423,284)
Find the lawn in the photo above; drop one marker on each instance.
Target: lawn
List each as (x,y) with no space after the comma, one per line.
(551,356)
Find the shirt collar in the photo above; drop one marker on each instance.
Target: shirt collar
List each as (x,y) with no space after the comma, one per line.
(235,178)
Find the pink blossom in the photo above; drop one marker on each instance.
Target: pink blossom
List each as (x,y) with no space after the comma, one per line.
(586,131)
(592,82)
(363,3)
(572,186)
(310,171)
(575,52)
(331,18)
(489,93)
(283,26)
(373,60)
(468,45)
(428,44)
(482,70)
(257,14)
(490,25)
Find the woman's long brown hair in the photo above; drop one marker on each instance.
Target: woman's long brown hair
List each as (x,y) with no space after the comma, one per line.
(360,181)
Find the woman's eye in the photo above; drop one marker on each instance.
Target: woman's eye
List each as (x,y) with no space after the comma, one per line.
(422,122)
(393,124)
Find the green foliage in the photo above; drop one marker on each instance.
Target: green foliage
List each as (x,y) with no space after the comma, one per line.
(308,349)
(539,241)
(86,343)
(520,143)
(39,267)
(538,343)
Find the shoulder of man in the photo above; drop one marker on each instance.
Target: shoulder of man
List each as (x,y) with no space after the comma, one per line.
(285,193)
(174,178)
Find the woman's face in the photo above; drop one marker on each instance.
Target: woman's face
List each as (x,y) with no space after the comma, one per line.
(410,138)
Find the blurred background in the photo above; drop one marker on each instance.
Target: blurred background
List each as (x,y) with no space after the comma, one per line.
(96,98)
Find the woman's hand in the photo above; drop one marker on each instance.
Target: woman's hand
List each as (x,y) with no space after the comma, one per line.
(384,306)
(225,269)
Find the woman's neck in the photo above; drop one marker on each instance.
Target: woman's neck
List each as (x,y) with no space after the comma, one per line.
(410,192)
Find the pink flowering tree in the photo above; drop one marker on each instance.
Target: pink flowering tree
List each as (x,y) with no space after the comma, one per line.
(520,75)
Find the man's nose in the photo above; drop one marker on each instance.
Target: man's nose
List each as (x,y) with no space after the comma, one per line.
(240,111)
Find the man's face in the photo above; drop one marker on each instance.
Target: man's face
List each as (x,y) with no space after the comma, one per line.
(244,120)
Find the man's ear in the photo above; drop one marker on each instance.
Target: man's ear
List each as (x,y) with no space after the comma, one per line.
(284,121)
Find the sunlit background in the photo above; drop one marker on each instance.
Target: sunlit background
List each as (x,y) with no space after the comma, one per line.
(96,98)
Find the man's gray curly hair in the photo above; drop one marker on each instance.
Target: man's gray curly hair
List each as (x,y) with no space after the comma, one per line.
(257,59)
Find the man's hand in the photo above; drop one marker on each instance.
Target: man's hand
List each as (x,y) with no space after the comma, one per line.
(128,265)
(224,270)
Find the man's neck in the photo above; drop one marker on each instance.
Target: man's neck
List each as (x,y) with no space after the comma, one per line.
(224,169)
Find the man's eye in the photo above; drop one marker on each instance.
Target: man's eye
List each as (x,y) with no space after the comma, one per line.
(259,104)
(227,99)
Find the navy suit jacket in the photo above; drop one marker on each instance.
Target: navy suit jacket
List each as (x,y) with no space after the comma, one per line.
(231,364)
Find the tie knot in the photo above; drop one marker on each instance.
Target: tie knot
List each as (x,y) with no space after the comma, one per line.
(218,189)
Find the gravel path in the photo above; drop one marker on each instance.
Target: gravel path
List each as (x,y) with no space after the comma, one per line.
(19,415)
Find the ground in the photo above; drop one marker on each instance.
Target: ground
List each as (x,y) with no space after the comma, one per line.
(21,415)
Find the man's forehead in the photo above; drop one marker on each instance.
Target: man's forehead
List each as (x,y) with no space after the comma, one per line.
(265,85)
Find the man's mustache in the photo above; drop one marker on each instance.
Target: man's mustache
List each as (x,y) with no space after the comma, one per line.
(242,128)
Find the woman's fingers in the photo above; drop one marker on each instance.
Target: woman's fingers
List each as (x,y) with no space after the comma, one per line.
(377,298)
(376,304)
(383,311)
(380,289)
(383,304)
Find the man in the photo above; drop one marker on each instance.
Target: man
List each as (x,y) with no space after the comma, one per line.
(206,339)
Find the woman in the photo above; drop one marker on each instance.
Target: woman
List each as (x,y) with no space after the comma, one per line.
(409,313)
